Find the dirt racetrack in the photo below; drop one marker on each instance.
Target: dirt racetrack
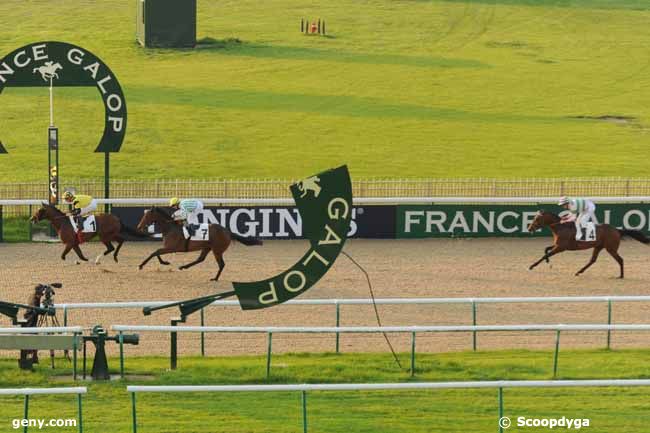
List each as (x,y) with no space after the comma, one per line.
(413,268)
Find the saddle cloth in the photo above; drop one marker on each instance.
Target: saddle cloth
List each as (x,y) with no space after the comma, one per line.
(202,233)
(89,224)
(590,235)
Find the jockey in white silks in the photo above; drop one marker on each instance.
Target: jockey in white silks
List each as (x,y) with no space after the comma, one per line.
(187,210)
(582,211)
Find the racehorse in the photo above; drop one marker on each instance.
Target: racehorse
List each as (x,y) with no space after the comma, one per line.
(109,229)
(174,241)
(564,239)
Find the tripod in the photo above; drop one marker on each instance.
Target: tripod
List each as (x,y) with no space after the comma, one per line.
(45,320)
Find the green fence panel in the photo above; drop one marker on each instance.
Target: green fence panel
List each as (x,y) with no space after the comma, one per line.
(483,220)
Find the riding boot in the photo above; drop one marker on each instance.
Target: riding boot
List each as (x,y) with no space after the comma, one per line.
(79,222)
(579,233)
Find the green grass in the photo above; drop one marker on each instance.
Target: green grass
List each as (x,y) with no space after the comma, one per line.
(17,229)
(400,89)
(107,404)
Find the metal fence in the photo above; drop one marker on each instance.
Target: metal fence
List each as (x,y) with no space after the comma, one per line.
(27,392)
(278,188)
(471,303)
(503,422)
(412,330)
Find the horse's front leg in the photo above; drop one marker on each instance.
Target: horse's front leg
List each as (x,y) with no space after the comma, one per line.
(546,256)
(156,253)
(546,251)
(66,251)
(79,253)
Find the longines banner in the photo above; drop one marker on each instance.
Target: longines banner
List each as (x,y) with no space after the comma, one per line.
(280,222)
(414,221)
(502,220)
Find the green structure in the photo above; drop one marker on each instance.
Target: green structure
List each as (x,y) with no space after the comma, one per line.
(166,23)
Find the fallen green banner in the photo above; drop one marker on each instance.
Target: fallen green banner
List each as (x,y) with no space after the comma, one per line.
(325,205)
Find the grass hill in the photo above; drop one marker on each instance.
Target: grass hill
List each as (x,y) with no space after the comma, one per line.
(503,88)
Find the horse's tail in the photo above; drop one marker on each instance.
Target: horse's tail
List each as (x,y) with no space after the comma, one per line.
(124,229)
(249,241)
(635,234)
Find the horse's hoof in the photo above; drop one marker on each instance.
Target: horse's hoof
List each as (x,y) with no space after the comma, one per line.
(165,263)
(115,258)
(140,267)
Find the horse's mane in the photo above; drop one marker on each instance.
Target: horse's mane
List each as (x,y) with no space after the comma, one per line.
(54,208)
(161,211)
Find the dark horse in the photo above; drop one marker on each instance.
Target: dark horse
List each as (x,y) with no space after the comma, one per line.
(564,239)
(109,229)
(174,241)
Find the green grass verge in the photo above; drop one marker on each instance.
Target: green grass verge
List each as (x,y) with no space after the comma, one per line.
(107,404)
(491,88)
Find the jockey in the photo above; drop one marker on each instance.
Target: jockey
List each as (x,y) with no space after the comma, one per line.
(82,205)
(582,212)
(187,211)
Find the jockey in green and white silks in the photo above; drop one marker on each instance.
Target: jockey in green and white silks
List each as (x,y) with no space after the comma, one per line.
(187,210)
(582,211)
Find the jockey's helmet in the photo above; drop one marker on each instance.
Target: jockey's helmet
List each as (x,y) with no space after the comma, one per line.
(174,201)
(563,201)
(68,196)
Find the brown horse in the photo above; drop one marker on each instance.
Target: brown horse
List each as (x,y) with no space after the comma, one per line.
(564,239)
(174,241)
(109,229)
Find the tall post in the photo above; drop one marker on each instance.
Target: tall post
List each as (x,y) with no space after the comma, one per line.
(135,420)
(269,350)
(107,178)
(500,410)
(412,354)
(557,352)
(338,323)
(304,411)
(80,416)
(202,333)
(474,324)
(609,322)
(53,154)
(26,414)
(174,347)
(121,340)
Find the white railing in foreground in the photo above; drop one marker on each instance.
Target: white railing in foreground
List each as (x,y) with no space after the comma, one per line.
(473,302)
(304,388)
(378,301)
(389,386)
(376,329)
(27,392)
(413,330)
(43,330)
(40,391)
(357,201)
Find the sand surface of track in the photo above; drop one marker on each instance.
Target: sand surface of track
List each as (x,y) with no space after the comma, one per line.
(413,268)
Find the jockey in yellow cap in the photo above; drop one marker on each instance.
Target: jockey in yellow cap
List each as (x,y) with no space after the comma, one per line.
(82,205)
(187,211)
